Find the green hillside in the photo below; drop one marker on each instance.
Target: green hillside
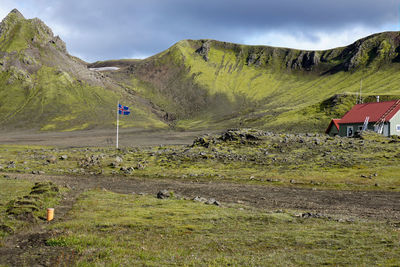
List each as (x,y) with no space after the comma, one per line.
(42,87)
(211,84)
(203,84)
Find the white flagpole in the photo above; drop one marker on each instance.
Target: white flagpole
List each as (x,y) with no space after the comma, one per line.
(117,121)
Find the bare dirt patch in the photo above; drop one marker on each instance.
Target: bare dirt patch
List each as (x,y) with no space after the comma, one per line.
(376,205)
(100,137)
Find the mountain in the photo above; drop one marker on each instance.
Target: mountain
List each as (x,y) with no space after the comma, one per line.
(195,84)
(207,83)
(42,87)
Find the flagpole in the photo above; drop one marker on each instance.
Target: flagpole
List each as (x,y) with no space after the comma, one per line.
(117,122)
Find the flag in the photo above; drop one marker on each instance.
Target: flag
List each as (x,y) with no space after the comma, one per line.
(124,110)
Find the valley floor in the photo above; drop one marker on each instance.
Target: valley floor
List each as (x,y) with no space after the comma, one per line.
(99,138)
(240,198)
(371,209)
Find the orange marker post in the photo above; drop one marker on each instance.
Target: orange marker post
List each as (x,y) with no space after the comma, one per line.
(50,214)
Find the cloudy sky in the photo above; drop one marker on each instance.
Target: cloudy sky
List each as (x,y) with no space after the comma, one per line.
(104,29)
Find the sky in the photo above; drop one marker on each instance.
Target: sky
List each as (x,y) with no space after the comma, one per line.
(103,29)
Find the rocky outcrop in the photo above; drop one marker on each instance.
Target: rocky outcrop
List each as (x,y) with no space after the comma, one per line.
(204,50)
(305,61)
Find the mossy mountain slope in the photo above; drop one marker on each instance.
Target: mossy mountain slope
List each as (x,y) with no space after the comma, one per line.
(207,83)
(43,87)
(194,84)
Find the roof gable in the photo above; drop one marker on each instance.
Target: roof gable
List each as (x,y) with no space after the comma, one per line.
(334,122)
(374,111)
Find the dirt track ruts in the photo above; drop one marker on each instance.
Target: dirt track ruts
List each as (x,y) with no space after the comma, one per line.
(377,205)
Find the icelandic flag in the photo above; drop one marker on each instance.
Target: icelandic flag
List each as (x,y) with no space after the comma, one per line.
(124,110)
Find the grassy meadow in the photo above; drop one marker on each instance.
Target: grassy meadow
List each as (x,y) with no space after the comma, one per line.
(112,229)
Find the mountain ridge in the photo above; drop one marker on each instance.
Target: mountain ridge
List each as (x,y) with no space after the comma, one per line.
(194,84)
(43,87)
(248,82)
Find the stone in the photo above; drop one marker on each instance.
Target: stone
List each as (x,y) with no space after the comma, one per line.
(11,165)
(118,159)
(199,199)
(162,194)
(64,157)
(140,166)
(113,164)
(311,215)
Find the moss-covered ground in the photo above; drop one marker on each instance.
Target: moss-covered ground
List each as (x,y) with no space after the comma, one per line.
(241,156)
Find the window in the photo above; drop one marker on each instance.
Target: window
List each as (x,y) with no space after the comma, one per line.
(398,127)
(350,131)
(359,128)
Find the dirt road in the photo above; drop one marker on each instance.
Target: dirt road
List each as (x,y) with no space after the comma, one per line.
(100,137)
(376,205)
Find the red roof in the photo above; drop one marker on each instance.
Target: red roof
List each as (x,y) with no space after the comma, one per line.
(333,122)
(374,111)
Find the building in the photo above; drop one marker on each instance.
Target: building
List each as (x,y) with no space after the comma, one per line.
(381,117)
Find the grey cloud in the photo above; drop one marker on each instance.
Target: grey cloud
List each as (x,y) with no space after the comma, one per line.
(114,29)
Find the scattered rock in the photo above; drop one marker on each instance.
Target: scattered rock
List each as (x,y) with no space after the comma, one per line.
(312,215)
(165,194)
(212,201)
(199,199)
(118,159)
(11,165)
(63,157)
(90,161)
(140,166)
